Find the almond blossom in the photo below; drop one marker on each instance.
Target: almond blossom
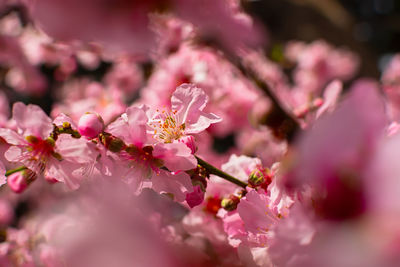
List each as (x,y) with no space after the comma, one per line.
(186,117)
(32,146)
(143,162)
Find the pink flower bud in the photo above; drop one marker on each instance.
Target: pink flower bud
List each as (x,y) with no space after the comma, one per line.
(17,182)
(196,197)
(90,125)
(189,141)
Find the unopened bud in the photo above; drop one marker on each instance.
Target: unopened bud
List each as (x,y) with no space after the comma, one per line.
(90,125)
(230,203)
(189,141)
(19,181)
(259,177)
(112,143)
(196,197)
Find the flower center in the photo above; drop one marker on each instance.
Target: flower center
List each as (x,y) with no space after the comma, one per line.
(167,127)
(143,157)
(40,150)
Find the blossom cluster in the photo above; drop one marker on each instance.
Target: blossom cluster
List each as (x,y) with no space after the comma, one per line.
(143,133)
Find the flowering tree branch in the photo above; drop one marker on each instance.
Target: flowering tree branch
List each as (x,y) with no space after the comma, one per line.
(214,170)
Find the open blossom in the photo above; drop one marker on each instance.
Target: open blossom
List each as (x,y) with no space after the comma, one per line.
(143,162)
(186,117)
(64,159)
(223,83)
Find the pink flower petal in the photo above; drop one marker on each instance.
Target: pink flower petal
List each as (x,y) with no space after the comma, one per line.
(176,156)
(177,184)
(11,137)
(189,102)
(32,120)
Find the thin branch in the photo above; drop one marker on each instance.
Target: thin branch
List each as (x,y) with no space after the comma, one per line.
(214,170)
(9,172)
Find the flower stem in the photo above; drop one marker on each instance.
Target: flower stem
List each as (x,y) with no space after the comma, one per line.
(214,170)
(9,172)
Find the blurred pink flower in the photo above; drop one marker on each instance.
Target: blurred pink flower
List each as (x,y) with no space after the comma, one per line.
(333,156)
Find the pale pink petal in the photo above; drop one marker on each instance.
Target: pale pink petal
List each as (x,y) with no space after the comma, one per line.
(61,118)
(13,154)
(189,101)
(32,120)
(176,156)
(131,126)
(119,128)
(11,137)
(137,121)
(64,172)
(255,212)
(76,150)
(204,121)
(292,236)
(176,184)
(233,226)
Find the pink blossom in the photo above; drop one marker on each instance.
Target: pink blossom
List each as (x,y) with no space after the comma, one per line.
(223,83)
(67,159)
(256,211)
(143,161)
(187,115)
